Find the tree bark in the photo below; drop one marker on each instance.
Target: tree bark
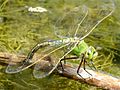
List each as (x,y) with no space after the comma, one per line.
(98,79)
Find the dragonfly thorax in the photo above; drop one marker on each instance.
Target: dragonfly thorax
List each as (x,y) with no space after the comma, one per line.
(83,48)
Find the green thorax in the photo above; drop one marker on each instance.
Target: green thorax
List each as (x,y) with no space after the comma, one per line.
(80,48)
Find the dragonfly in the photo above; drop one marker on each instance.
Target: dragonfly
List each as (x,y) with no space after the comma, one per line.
(71,29)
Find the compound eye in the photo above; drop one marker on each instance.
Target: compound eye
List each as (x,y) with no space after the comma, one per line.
(95,54)
(89,51)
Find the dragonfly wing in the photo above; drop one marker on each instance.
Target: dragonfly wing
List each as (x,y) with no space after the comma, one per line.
(42,68)
(44,64)
(65,25)
(46,67)
(15,68)
(80,21)
(98,11)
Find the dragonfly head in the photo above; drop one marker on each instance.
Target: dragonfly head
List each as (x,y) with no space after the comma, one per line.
(91,53)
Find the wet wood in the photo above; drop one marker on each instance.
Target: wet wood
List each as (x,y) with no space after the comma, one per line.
(98,79)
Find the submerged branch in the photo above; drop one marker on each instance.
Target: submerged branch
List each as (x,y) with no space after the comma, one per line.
(97,79)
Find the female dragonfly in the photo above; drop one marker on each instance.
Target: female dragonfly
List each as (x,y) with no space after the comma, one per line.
(71,29)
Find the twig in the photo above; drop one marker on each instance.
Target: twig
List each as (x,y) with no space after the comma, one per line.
(97,79)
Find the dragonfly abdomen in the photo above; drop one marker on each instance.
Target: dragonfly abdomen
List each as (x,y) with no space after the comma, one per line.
(62,41)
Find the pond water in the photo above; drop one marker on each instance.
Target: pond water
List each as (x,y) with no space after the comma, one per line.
(23,23)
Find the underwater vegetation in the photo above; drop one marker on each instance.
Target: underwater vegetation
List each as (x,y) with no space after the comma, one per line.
(21,29)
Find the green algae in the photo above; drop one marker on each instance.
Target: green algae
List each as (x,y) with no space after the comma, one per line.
(20,31)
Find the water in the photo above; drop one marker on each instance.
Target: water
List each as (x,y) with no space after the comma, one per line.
(20,32)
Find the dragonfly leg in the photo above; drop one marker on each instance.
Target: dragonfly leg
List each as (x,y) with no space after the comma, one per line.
(84,61)
(80,66)
(61,65)
(88,64)
(64,59)
(93,64)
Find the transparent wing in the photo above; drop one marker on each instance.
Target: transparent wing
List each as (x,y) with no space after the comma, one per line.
(80,21)
(45,63)
(97,12)
(15,68)
(65,25)
(44,68)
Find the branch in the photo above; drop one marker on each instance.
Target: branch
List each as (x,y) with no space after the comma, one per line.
(97,79)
